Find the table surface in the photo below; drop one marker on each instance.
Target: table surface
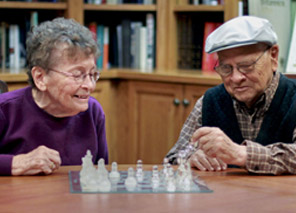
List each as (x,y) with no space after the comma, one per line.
(235,190)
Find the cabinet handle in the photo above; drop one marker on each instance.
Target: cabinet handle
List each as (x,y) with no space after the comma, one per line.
(176,102)
(186,102)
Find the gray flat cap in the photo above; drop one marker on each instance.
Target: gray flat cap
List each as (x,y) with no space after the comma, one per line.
(241,31)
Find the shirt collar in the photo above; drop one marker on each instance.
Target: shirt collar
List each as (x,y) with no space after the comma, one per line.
(264,100)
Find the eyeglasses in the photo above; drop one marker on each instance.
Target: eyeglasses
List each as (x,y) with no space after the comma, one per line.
(226,70)
(80,78)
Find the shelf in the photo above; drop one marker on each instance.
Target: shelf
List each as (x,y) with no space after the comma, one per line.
(128,74)
(199,8)
(120,7)
(33,5)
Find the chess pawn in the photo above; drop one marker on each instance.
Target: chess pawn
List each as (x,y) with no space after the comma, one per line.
(101,171)
(114,175)
(139,171)
(130,182)
(155,177)
(170,185)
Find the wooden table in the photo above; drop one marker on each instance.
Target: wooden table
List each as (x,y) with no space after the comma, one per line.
(234,191)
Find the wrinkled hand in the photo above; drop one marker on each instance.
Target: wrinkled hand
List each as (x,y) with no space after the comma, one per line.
(216,144)
(203,162)
(40,160)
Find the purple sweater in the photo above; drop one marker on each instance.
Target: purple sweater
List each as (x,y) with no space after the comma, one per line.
(24,127)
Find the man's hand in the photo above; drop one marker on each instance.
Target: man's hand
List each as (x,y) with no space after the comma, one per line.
(216,144)
(40,160)
(204,162)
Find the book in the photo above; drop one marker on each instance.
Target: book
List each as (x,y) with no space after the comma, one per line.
(126,43)
(106,49)
(100,42)
(135,44)
(93,29)
(278,13)
(34,18)
(3,46)
(190,42)
(119,45)
(150,24)
(14,48)
(209,60)
(143,48)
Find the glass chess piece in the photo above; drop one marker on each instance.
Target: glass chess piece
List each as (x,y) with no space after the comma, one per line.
(171,185)
(130,182)
(139,171)
(114,175)
(102,172)
(87,173)
(165,170)
(155,182)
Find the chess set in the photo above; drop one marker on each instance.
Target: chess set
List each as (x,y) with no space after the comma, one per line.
(160,180)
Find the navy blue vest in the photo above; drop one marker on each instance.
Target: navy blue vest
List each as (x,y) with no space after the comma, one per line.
(279,121)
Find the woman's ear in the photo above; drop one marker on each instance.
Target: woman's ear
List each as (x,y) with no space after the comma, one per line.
(39,77)
(274,53)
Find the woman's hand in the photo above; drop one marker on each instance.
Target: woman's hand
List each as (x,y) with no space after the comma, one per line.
(40,160)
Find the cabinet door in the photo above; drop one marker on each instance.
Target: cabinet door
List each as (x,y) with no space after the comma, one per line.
(191,94)
(155,119)
(103,94)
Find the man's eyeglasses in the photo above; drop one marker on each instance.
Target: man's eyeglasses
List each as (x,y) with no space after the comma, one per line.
(226,70)
(80,78)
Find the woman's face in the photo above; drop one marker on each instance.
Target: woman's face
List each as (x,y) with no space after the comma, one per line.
(66,94)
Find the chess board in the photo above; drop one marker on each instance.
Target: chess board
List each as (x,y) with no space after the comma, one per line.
(197,185)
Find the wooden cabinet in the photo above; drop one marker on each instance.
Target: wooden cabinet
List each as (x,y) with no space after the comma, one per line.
(157,113)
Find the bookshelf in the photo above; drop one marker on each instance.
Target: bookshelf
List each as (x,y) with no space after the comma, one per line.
(137,105)
(166,13)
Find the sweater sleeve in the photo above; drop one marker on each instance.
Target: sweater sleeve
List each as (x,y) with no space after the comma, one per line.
(5,164)
(5,159)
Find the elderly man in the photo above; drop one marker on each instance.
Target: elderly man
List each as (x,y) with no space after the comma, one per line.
(250,119)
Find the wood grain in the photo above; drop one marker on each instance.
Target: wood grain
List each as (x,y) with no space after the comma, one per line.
(234,191)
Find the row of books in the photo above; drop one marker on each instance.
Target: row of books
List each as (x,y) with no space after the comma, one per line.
(146,2)
(130,44)
(12,55)
(12,43)
(191,43)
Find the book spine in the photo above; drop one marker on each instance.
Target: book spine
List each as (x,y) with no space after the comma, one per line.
(209,60)
(11,48)
(100,42)
(106,48)
(126,43)
(143,49)
(3,44)
(119,45)
(150,42)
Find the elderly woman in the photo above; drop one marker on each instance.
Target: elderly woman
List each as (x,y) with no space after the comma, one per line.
(54,121)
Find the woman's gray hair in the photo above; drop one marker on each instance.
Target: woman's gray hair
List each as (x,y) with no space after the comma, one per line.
(50,35)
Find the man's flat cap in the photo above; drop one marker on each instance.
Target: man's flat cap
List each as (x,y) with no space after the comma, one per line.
(241,31)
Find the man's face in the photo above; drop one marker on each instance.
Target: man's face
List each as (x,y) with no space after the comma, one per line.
(247,87)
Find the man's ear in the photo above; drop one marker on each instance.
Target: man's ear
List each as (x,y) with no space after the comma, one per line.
(274,53)
(39,77)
